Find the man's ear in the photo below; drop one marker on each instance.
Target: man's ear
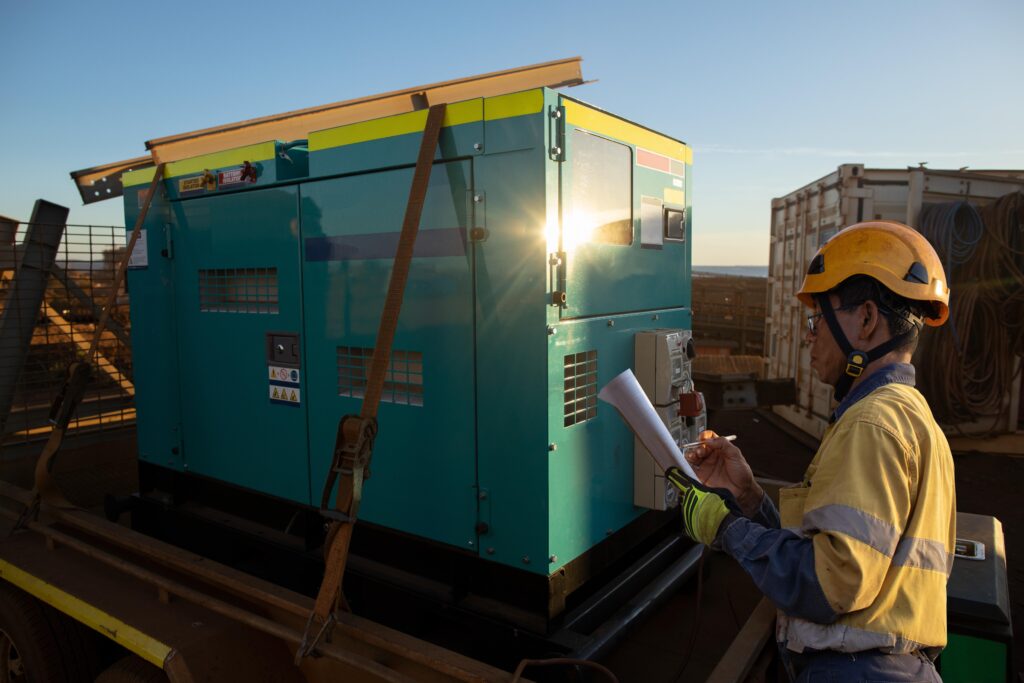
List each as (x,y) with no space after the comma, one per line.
(872,317)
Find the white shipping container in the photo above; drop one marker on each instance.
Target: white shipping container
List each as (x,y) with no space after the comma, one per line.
(806,218)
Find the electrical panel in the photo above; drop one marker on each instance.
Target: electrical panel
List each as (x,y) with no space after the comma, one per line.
(662,365)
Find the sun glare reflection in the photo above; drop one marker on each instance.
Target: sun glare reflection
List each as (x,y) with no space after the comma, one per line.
(579,229)
(551,233)
(584,227)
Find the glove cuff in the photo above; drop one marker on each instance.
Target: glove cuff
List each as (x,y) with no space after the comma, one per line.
(727,522)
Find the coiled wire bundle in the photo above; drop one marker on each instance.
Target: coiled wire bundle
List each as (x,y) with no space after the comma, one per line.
(968,366)
(954,229)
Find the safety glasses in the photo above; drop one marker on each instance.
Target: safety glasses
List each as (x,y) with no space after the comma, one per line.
(812,320)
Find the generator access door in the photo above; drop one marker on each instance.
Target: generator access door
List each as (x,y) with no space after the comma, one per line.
(423,474)
(623,237)
(238,300)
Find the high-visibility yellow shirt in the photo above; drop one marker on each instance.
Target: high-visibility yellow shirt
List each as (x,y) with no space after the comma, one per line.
(867,539)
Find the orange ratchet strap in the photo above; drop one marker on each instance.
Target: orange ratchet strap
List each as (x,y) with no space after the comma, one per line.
(79,373)
(354,444)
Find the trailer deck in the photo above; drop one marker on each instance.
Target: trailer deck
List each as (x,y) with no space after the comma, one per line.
(197,619)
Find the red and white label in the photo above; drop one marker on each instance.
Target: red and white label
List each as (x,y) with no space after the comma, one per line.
(232,177)
(659,162)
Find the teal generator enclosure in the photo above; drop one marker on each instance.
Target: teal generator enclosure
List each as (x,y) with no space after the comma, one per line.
(553,236)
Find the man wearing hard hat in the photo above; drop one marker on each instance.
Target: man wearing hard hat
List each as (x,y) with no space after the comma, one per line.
(858,555)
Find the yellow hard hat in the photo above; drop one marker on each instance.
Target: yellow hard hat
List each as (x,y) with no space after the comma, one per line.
(895,255)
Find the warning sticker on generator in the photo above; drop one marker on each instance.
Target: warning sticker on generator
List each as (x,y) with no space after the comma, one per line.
(287,396)
(194,184)
(140,253)
(284,374)
(284,385)
(236,176)
(660,162)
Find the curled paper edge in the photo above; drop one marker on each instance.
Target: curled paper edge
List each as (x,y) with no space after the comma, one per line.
(626,395)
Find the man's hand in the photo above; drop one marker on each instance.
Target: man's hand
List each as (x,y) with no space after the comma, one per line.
(703,511)
(720,464)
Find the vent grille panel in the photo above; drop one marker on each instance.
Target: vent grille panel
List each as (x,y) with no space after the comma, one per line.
(403,383)
(238,290)
(580,388)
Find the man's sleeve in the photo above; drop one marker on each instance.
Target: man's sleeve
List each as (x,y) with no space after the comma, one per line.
(853,516)
(781,563)
(767,515)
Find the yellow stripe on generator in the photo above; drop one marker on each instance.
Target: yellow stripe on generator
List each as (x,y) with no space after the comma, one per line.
(515,104)
(596,121)
(391,126)
(458,113)
(229,157)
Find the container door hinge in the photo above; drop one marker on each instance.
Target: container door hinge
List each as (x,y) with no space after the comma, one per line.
(556,133)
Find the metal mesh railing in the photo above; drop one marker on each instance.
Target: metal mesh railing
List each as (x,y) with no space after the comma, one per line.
(77,286)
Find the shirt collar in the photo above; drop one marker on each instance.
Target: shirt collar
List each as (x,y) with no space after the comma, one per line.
(894,373)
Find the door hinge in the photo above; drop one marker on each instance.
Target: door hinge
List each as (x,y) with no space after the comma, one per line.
(168,250)
(556,130)
(483,517)
(477,215)
(556,276)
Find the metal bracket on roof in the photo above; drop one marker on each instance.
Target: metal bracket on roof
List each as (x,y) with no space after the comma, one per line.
(420,101)
(104,182)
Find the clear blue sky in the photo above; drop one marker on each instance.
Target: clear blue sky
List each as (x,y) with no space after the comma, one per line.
(771,95)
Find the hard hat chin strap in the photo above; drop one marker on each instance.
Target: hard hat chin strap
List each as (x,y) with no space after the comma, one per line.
(856,360)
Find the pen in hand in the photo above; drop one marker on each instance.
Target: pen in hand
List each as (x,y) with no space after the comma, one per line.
(694,444)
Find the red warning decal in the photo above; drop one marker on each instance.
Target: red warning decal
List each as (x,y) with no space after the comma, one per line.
(659,162)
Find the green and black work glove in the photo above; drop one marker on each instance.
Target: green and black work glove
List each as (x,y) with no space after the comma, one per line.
(703,510)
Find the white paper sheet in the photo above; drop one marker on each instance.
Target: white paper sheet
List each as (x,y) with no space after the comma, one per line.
(628,397)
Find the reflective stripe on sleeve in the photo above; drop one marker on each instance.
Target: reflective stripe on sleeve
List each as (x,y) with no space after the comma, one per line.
(923,553)
(854,523)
